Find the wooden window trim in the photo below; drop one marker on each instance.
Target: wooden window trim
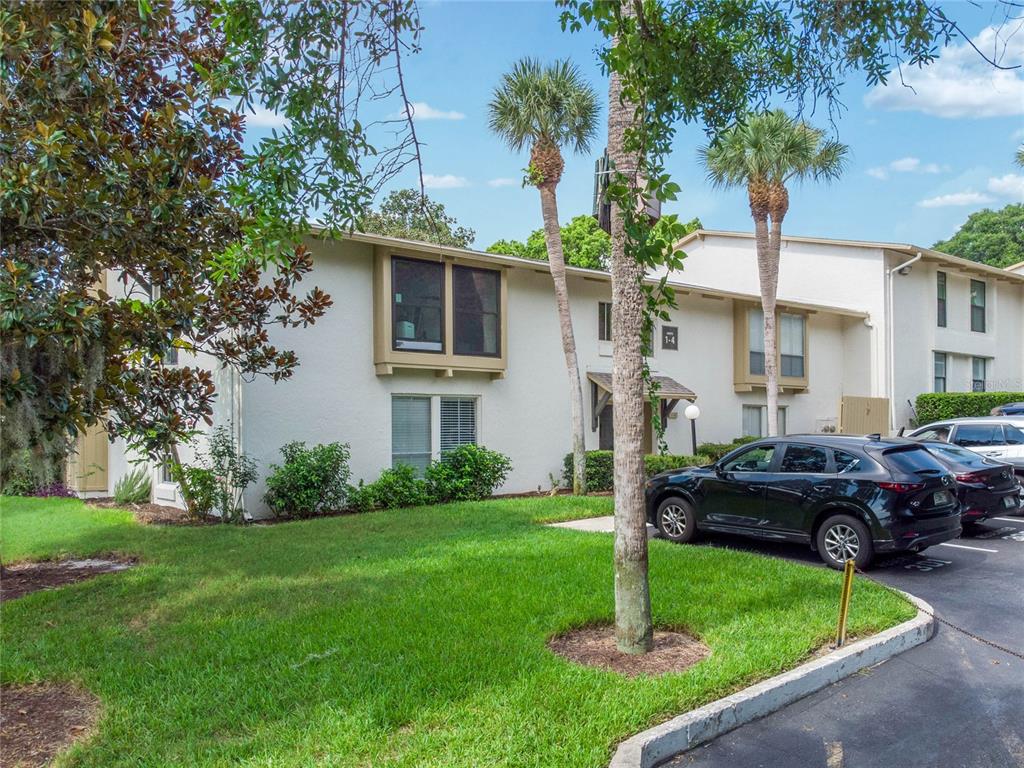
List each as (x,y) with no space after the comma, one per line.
(743,379)
(386,359)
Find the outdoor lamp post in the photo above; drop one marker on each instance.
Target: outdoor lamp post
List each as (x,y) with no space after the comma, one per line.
(692,412)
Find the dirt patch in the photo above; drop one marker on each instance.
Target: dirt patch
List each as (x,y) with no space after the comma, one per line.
(152,514)
(595,647)
(20,580)
(38,721)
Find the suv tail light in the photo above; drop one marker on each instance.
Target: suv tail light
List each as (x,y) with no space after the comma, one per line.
(900,487)
(972,477)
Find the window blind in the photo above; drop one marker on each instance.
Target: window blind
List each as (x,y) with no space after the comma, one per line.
(458,422)
(410,431)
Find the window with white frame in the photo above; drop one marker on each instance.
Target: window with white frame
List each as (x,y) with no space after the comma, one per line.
(425,427)
(411,441)
(978,373)
(940,299)
(978,306)
(458,422)
(604,321)
(755,420)
(939,372)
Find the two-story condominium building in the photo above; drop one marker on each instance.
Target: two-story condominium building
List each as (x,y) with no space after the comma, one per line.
(427,347)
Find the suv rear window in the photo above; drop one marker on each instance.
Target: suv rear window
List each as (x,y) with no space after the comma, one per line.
(912,460)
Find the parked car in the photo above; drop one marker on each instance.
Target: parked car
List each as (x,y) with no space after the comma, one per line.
(847,497)
(1008,409)
(997,437)
(985,487)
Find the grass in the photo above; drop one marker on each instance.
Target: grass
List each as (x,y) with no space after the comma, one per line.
(406,638)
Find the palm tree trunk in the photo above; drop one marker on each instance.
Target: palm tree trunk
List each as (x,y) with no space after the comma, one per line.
(768,275)
(633,626)
(556,260)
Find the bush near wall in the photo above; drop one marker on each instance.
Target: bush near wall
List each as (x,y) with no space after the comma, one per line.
(601,467)
(938,406)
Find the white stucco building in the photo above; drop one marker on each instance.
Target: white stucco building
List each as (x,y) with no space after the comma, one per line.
(427,346)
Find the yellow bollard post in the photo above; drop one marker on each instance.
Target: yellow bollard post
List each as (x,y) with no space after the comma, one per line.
(844,603)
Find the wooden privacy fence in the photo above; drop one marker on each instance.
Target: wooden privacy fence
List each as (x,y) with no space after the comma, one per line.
(864,415)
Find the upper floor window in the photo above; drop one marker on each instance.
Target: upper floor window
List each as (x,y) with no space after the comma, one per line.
(417,298)
(791,329)
(755,318)
(476,294)
(939,372)
(791,344)
(978,366)
(977,306)
(940,298)
(604,321)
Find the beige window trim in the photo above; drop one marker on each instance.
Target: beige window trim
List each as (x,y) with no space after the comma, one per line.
(743,379)
(386,359)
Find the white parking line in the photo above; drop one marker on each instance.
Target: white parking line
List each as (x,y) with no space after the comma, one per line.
(1009,519)
(961,546)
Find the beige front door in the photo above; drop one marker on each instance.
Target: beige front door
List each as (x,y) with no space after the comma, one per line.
(88,465)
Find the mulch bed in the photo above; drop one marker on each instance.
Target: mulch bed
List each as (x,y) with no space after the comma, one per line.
(595,647)
(38,721)
(20,580)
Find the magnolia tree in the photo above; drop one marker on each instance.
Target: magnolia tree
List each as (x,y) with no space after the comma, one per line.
(121,142)
(707,62)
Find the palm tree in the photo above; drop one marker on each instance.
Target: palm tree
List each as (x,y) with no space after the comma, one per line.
(764,153)
(1020,156)
(547,108)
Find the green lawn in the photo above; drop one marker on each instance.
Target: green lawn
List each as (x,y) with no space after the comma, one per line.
(414,637)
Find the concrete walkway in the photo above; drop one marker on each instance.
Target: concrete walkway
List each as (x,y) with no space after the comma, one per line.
(599,525)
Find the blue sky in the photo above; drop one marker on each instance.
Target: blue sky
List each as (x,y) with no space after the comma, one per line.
(920,162)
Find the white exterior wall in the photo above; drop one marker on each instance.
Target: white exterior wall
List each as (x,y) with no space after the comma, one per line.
(335,394)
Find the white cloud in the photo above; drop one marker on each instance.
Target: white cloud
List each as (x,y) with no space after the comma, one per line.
(423,111)
(955,199)
(445,181)
(261,117)
(502,182)
(960,83)
(1017,135)
(905,165)
(1011,185)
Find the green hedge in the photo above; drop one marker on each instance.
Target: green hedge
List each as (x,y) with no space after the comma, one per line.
(601,467)
(715,451)
(937,406)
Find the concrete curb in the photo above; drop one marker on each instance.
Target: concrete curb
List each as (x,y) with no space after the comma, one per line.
(657,744)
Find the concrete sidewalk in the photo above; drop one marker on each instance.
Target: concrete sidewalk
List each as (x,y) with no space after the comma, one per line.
(599,525)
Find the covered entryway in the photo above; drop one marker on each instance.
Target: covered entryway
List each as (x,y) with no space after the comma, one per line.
(669,393)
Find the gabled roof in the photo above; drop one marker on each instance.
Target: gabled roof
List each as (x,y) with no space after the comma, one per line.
(499,259)
(928,254)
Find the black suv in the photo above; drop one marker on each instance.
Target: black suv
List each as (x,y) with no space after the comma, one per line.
(847,497)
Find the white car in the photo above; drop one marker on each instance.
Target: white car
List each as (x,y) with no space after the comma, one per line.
(998,437)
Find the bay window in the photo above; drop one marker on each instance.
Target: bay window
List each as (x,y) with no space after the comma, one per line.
(476,297)
(417,297)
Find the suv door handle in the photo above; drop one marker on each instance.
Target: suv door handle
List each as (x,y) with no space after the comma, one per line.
(756,487)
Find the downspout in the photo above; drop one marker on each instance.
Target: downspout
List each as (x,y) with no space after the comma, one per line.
(891,336)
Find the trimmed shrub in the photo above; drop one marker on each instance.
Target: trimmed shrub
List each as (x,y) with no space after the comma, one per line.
(938,406)
(395,488)
(715,451)
(466,473)
(310,482)
(134,487)
(600,470)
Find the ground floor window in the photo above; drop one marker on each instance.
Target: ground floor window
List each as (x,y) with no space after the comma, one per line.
(458,422)
(755,420)
(166,475)
(410,432)
(978,366)
(423,427)
(940,372)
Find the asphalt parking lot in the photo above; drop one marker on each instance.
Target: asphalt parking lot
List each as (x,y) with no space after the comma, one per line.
(952,702)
